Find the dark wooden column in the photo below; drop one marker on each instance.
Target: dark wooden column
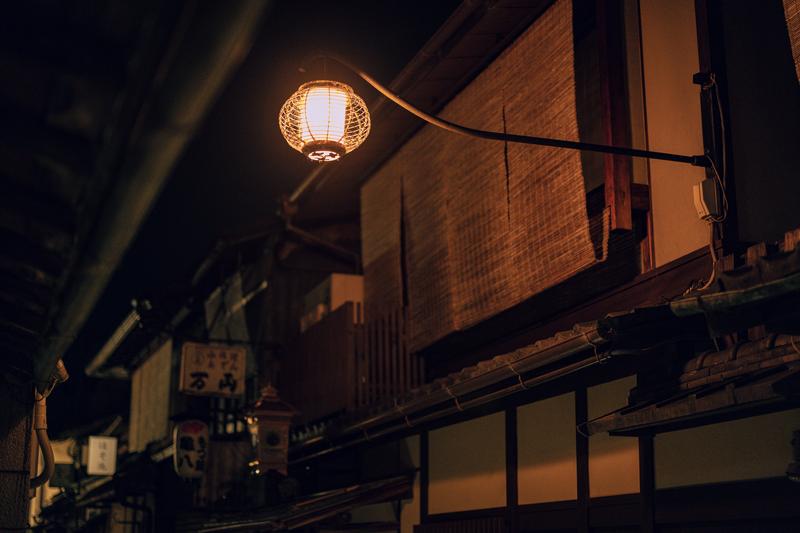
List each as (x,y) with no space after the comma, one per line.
(647,484)
(582,456)
(16,441)
(512,489)
(424,469)
(709,47)
(618,174)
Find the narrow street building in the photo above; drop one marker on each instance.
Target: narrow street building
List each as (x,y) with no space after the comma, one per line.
(546,279)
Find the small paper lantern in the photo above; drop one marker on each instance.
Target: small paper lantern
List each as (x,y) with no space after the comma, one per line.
(190,441)
(324,120)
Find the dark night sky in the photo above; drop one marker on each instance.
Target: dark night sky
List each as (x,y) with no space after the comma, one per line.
(231,175)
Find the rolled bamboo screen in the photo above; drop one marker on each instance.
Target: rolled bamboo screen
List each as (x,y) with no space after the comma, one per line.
(381,246)
(549,237)
(487,225)
(792,10)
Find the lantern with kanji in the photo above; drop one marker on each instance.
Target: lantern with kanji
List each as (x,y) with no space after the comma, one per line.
(268,421)
(190,441)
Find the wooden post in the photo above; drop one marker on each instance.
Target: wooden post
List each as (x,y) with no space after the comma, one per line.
(618,173)
(710,48)
(424,469)
(582,459)
(512,499)
(791,239)
(647,484)
(751,258)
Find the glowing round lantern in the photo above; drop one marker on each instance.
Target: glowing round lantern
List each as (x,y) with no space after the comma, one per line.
(324,120)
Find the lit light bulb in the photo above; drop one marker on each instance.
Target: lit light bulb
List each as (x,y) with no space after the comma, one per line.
(323,115)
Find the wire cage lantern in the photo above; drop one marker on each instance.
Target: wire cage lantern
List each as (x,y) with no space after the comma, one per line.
(324,120)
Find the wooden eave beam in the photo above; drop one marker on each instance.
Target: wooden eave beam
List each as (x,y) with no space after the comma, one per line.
(18,249)
(32,136)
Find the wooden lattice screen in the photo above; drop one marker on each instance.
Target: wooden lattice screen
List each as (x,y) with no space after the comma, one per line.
(343,363)
(384,367)
(487,225)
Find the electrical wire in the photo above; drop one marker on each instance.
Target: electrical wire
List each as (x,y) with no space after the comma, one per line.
(720,180)
(712,277)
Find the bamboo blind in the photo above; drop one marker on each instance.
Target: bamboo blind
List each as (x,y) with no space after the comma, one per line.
(549,230)
(380,227)
(489,225)
(792,10)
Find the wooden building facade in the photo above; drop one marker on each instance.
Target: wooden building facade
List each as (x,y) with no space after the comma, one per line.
(492,249)
(548,340)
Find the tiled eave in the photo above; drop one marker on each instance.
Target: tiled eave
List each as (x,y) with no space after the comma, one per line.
(762,296)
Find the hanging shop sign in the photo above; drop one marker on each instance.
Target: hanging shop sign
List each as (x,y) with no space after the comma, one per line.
(102,456)
(212,369)
(190,439)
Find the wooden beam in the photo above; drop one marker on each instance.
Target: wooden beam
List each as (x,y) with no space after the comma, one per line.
(31,294)
(24,132)
(20,319)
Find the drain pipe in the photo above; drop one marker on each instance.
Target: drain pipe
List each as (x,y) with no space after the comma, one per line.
(40,426)
(59,375)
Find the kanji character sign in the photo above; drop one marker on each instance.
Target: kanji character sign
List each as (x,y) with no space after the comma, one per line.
(212,369)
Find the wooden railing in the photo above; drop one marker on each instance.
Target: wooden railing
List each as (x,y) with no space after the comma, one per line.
(347,361)
(384,366)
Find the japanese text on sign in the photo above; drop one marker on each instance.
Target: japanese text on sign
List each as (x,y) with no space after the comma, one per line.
(212,369)
(191,448)
(102,460)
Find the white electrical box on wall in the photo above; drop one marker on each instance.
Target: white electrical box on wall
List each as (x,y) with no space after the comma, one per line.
(706,199)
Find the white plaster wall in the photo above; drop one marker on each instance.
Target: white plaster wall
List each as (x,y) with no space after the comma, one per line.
(750,448)
(546,451)
(467,465)
(672,104)
(613,461)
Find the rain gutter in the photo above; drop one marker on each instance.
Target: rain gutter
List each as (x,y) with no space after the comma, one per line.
(727,300)
(584,344)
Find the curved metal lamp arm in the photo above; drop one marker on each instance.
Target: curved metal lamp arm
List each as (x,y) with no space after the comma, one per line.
(696,160)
